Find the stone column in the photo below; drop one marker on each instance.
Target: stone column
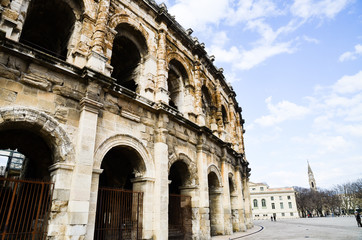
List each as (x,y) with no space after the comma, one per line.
(204,209)
(161,94)
(146,186)
(12,18)
(226,194)
(160,199)
(93,204)
(79,199)
(247,206)
(198,96)
(96,59)
(217,221)
(239,203)
(192,225)
(61,175)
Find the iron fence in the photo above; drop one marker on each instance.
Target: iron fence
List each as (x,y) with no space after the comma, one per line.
(24,208)
(119,214)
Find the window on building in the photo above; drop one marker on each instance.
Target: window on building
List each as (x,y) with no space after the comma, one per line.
(291,214)
(283,214)
(263,203)
(280,198)
(255,203)
(290,204)
(256,215)
(273,205)
(253,188)
(261,188)
(272,198)
(288,197)
(281,205)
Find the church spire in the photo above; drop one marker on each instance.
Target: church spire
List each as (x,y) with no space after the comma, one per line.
(312,183)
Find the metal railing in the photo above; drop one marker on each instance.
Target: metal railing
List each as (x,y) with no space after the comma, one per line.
(119,214)
(24,208)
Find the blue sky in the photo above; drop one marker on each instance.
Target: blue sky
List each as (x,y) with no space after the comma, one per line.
(296,67)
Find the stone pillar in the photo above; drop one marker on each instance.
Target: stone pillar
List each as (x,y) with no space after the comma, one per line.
(93,204)
(96,59)
(193,192)
(247,206)
(61,175)
(79,199)
(216,211)
(12,18)
(160,199)
(238,203)
(198,96)
(146,185)
(161,94)
(204,209)
(226,195)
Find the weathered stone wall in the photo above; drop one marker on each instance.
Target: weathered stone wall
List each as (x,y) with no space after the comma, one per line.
(82,112)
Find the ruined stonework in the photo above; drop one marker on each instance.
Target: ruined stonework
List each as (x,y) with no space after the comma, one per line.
(116,94)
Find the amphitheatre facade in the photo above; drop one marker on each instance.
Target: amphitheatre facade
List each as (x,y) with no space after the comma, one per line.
(121,114)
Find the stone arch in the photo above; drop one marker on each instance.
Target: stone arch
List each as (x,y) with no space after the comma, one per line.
(129,52)
(47,126)
(122,18)
(127,141)
(49,25)
(191,166)
(213,169)
(224,114)
(186,64)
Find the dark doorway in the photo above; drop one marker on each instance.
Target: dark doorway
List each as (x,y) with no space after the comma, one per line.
(48,27)
(179,206)
(129,47)
(119,209)
(25,188)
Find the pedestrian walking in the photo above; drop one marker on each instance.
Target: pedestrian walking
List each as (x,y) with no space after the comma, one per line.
(271,218)
(275,218)
(358,219)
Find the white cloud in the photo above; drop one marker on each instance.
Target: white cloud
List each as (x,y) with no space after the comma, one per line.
(197,14)
(310,40)
(318,8)
(351,55)
(252,9)
(281,112)
(349,84)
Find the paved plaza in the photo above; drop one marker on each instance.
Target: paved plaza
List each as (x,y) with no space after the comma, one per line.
(311,228)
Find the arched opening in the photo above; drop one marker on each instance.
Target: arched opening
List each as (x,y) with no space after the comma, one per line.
(177,77)
(28,153)
(206,100)
(128,52)
(215,205)
(119,209)
(48,26)
(207,106)
(179,206)
(224,116)
(25,188)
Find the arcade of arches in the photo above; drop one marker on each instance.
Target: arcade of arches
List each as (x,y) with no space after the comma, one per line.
(120,119)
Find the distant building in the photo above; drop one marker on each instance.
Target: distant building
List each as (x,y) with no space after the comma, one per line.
(311,179)
(267,202)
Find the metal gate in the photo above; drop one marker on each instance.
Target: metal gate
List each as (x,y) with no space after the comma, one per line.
(179,217)
(24,208)
(119,214)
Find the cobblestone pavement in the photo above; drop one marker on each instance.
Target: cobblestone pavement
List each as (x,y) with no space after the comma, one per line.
(303,228)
